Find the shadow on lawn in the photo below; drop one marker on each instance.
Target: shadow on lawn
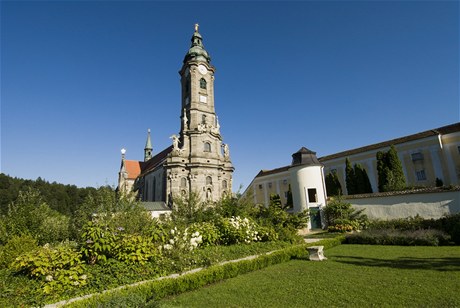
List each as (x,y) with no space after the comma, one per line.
(438,264)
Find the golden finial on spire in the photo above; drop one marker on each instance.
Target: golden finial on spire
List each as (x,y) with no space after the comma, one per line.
(196,27)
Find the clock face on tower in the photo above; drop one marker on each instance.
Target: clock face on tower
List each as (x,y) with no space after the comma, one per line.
(202,69)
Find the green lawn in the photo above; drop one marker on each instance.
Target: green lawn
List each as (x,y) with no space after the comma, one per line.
(353,276)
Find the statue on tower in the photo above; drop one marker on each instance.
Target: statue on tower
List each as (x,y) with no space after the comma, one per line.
(226,150)
(175,142)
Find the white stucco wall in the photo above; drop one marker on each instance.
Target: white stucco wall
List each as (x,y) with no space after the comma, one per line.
(426,205)
(303,178)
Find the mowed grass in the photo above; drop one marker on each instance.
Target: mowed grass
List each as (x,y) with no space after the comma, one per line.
(353,276)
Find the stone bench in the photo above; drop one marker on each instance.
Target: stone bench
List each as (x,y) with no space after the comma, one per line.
(316,253)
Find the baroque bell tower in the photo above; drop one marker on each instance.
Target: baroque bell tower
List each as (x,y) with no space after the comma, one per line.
(199,161)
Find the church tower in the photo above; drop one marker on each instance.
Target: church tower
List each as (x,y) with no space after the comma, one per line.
(199,161)
(148,147)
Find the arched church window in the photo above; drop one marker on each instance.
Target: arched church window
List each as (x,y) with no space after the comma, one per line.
(208,180)
(224,184)
(207,147)
(202,83)
(209,194)
(183,182)
(203,119)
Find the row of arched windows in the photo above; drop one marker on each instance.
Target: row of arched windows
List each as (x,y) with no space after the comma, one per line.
(183,182)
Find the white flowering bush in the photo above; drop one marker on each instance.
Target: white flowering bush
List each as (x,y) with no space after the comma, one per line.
(183,240)
(236,230)
(210,234)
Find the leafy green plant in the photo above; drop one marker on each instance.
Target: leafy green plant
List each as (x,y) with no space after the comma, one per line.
(59,268)
(341,213)
(209,232)
(236,230)
(30,214)
(15,247)
(98,242)
(158,289)
(134,249)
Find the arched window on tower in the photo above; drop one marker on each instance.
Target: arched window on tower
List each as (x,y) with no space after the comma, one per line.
(202,83)
(183,182)
(208,180)
(207,147)
(224,184)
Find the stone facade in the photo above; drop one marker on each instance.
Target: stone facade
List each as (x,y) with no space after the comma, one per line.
(198,161)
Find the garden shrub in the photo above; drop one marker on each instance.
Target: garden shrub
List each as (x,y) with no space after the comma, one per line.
(408,224)
(15,247)
(398,237)
(449,224)
(131,248)
(236,230)
(30,214)
(158,289)
(98,242)
(59,268)
(209,233)
(342,217)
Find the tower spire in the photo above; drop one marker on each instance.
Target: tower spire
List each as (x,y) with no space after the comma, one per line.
(148,147)
(196,50)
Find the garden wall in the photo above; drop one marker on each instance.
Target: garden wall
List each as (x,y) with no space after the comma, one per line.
(400,205)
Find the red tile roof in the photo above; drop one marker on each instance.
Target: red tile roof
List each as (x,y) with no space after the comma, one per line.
(133,168)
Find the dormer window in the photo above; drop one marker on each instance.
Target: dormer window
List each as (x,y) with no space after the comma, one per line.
(202,83)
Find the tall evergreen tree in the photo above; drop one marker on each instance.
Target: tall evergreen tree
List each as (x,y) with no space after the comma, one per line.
(333,186)
(390,173)
(363,185)
(350,177)
(398,180)
(382,171)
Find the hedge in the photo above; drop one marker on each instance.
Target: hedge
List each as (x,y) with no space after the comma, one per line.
(146,293)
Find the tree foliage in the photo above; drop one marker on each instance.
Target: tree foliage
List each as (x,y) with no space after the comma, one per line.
(333,186)
(341,216)
(65,199)
(31,215)
(350,178)
(390,173)
(357,179)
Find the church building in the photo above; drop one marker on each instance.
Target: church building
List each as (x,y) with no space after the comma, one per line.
(197,161)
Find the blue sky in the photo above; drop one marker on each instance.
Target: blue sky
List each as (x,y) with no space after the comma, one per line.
(82,79)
